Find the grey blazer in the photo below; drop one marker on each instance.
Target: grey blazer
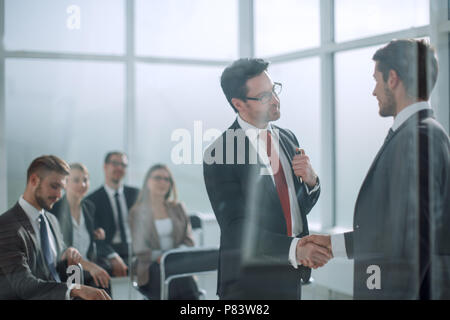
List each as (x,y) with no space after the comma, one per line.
(23,271)
(145,236)
(388,224)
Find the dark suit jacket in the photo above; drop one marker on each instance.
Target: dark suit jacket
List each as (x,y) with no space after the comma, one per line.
(104,216)
(61,210)
(387,221)
(23,271)
(254,247)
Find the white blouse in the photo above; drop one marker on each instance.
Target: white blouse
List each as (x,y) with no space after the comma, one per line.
(165,229)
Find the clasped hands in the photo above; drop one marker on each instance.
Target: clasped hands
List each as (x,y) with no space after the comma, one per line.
(314,251)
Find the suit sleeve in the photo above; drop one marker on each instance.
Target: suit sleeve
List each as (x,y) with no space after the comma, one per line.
(306,198)
(230,207)
(16,278)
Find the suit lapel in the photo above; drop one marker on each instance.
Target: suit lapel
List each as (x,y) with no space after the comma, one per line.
(26,224)
(413,119)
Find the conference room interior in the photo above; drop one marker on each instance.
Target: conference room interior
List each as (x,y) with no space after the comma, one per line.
(79,78)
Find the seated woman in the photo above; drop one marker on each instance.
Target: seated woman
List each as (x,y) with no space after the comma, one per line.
(159,223)
(76,218)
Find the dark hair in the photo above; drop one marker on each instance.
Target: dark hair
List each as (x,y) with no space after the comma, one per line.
(113,153)
(47,163)
(415,63)
(235,76)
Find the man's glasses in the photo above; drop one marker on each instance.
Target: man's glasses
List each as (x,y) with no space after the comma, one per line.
(117,163)
(267,96)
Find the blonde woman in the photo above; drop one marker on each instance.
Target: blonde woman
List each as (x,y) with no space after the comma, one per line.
(159,223)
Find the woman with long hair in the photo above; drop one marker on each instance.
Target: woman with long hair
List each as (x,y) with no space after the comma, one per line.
(159,223)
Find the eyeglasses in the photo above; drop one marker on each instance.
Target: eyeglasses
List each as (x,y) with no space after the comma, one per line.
(117,163)
(160,178)
(267,96)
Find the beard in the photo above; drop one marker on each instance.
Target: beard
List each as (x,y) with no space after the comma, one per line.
(389,107)
(41,200)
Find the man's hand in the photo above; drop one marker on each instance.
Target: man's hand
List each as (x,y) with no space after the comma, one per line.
(312,255)
(72,255)
(303,169)
(119,268)
(89,293)
(99,234)
(321,240)
(100,276)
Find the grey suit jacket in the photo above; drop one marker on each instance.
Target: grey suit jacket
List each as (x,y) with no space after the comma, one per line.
(392,204)
(23,271)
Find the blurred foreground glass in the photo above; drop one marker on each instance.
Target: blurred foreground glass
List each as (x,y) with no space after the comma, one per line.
(286,26)
(360,131)
(197,29)
(182,102)
(74,26)
(300,110)
(74,110)
(359,19)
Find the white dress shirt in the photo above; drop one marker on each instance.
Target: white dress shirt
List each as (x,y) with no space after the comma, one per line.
(81,239)
(296,217)
(338,240)
(34,215)
(123,206)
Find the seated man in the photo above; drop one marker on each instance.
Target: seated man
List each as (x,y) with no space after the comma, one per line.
(33,256)
(112,202)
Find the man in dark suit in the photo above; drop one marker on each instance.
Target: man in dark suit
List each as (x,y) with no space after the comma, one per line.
(112,202)
(33,256)
(261,207)
(401,237)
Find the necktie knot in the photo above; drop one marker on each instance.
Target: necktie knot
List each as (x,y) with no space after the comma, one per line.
(389,135)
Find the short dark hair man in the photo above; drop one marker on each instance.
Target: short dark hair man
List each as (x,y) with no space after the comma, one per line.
(261,207)
(112,202)
(401,228)
(33,256)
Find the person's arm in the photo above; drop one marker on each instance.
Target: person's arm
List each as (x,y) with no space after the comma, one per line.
(16,277)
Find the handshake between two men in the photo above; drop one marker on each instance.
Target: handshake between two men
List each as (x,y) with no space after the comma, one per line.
(312,251)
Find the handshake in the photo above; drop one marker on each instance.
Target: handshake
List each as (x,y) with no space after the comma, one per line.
(314,251)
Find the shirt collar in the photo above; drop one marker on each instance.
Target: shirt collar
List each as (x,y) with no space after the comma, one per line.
(407,112)
(32,213)
(111,192)
(247,126)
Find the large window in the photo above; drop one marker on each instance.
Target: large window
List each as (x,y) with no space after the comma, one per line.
(86,76)
(82,26)
(51,108)
(287,26)
(358,19)
(360,131)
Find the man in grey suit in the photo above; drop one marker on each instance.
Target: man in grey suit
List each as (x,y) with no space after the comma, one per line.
(33,256)
(401,231)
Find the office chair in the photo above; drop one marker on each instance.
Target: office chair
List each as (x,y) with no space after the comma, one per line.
(183,262)
(197,226)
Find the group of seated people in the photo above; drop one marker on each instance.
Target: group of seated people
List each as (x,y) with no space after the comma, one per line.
(115,230)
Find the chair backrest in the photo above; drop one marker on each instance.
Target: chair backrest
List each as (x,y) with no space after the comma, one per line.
(197,226)
(182,262)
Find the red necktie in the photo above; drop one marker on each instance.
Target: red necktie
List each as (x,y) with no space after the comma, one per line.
(280,182)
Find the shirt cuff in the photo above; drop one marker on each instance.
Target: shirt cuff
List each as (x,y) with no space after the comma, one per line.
(69,289)
(112,255)
(316,187)
(338,245)
(293,253)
